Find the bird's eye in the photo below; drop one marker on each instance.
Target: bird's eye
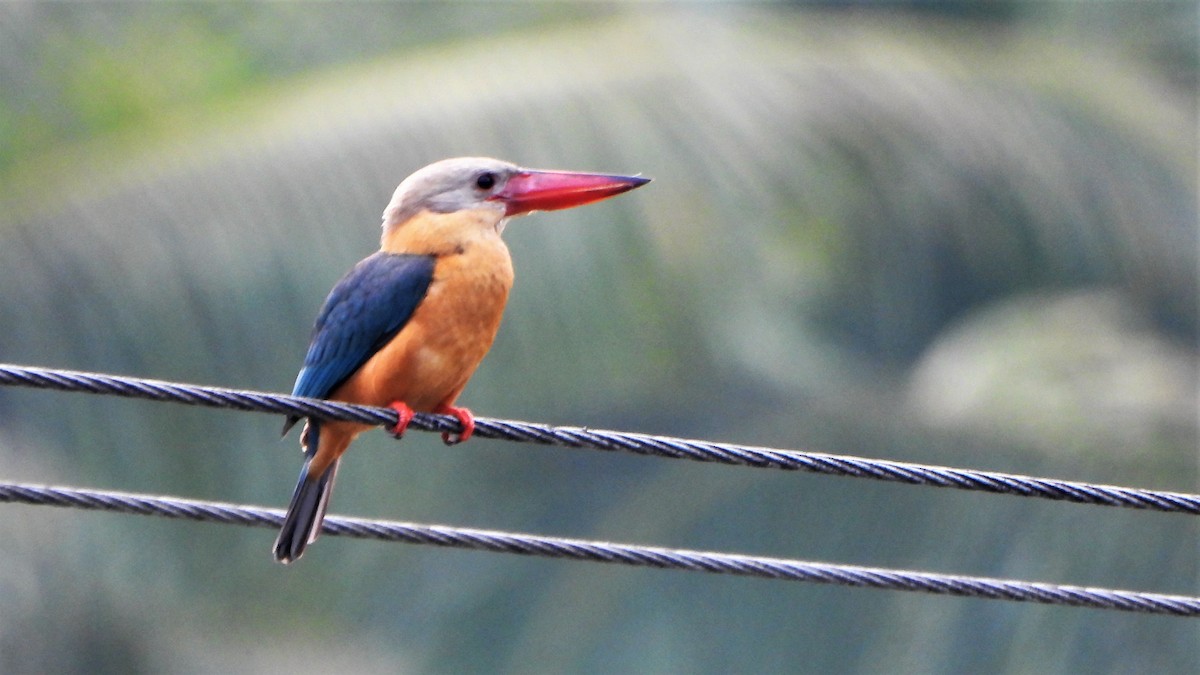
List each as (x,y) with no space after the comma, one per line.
(486,181)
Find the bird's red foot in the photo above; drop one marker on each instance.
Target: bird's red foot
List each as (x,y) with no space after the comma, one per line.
(404,415)
(465,418)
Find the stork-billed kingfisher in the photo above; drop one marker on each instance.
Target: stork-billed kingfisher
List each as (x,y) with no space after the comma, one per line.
(408,325)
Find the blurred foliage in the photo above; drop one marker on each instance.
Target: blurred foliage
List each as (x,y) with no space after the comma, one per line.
(128,71)
(945,234)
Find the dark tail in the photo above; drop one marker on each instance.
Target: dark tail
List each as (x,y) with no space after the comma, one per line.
(302,523)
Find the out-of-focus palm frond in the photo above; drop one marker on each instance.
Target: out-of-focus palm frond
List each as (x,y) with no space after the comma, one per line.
(832,196)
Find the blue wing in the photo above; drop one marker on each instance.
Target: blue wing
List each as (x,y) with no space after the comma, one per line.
(362,313)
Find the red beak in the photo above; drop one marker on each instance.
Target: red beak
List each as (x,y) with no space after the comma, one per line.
(532,190)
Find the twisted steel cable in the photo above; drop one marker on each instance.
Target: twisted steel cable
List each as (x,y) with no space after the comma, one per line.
(581,437)
(620,554)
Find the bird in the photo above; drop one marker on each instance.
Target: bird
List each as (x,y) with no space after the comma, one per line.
(407,326)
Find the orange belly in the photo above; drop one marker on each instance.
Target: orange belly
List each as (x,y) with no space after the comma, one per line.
(427,364)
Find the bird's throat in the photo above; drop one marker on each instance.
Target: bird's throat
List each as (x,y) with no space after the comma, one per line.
(440,234)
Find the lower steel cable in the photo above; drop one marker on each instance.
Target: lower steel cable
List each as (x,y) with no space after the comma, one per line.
(620,554)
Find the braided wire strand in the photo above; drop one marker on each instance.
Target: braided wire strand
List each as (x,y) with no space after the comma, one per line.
(579,437)
(613,441)
(613,553)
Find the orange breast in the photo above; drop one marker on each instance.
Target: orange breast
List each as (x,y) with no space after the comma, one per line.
(430,360)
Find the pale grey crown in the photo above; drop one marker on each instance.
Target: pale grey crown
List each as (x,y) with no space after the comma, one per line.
(447,186)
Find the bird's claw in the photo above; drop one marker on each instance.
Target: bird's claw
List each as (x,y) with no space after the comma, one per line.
(465,418)
(404,415)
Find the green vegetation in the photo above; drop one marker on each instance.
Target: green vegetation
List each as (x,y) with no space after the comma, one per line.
(957,236)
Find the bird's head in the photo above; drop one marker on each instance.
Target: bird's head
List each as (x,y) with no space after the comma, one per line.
(498,189)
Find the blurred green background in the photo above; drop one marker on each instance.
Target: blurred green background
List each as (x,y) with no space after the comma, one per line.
(952,233)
